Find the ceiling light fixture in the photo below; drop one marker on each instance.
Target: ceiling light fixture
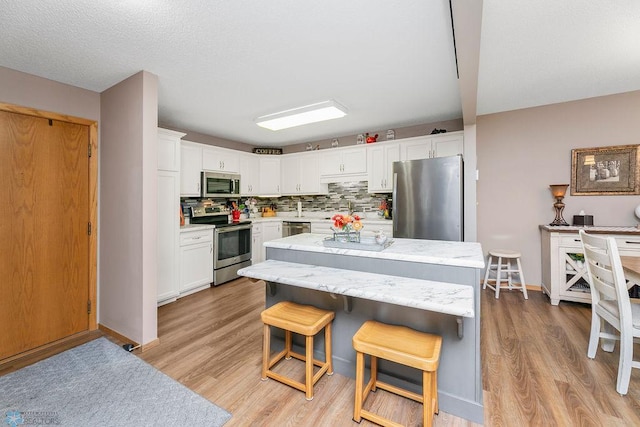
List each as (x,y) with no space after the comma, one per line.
(318,112)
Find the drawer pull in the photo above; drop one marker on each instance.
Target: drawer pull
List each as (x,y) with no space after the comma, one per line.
(632,242)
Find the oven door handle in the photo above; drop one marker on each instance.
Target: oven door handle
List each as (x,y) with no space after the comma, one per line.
(231,229)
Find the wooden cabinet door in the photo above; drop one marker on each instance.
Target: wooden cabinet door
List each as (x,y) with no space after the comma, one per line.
(44,239)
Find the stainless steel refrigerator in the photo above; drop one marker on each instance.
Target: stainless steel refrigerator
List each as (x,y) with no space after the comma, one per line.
(428,199)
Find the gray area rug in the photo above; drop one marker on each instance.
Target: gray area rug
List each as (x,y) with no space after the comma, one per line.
(101,384)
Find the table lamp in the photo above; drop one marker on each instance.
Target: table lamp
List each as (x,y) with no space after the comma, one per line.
(558,191)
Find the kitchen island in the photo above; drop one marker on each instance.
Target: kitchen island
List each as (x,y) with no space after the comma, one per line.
(431,286)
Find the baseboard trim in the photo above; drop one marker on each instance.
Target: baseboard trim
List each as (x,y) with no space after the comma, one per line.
(150,345)
(127,340)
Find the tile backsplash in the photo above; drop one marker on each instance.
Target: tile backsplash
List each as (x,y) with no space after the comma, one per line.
(338,199)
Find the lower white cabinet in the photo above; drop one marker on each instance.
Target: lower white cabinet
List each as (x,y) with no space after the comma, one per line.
(256,244)
(271,230)
(564,274)
(196,260)
(168,235)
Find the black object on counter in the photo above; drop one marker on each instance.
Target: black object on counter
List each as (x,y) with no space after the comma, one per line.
(581,220)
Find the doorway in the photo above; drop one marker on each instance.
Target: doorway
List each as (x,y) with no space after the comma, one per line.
(48,180)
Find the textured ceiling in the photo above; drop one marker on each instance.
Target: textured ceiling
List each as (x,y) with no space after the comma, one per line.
(548,51)
(221,64)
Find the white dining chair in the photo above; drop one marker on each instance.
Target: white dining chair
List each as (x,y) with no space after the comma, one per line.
(610,304)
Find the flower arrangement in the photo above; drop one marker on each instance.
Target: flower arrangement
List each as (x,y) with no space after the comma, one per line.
(347,223)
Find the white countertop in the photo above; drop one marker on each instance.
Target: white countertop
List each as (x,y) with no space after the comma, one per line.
(316,219)
(591,229)
(448,298)
(193,227)
(459,254)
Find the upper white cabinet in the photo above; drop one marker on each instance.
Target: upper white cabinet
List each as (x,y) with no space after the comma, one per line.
(343,164)
(220,159)
(430,146)
(169,150)
(380,158)
(269,175)
(249,174)
(190,168)
(301,174)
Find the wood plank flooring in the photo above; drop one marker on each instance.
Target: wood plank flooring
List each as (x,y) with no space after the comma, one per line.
(535,369)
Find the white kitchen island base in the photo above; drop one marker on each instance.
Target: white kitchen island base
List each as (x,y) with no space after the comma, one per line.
(457,319)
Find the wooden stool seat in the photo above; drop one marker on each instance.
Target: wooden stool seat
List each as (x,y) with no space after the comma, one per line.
(503,266)
(303,320)
(402,345)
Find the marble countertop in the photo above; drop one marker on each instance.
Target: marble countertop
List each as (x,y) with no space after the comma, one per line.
(592,229)
(194,227)
(459,254)
(448,298)
(322,219)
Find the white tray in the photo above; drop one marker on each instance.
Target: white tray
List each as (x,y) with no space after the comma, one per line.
(365,244)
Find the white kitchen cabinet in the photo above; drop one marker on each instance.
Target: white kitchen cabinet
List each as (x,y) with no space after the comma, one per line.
(271,230)
(269,171)
(220,160)
(169,150)
(301,174)
(190,168)
(430,146)
(564,275)
(257,252)
(196,260)
(168,283)
(343,164)
(249,174)
(380,158)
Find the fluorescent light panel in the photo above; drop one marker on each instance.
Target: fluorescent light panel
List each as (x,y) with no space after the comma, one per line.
(313,113)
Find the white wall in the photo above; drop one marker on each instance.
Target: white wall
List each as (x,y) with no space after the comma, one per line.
(27,90)
(128,241)
(520,153)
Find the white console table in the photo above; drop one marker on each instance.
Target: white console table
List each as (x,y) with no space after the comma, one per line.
(564,275)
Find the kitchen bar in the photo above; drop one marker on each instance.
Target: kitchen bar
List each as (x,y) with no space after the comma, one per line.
(383,287)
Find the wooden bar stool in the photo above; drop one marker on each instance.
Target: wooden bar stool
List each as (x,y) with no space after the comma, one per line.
(304,320)
(501,268)
(402,345)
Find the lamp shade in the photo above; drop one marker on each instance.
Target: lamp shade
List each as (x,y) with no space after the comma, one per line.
(559,190)
(589,160)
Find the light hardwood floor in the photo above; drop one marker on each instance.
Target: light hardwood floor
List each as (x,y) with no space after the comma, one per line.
(535,369)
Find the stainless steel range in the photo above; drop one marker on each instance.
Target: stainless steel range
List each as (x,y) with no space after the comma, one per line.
(231,242)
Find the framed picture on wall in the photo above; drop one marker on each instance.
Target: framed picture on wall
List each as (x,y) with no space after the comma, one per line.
(605,171)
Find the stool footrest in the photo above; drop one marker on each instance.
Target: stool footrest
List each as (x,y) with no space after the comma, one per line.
(378,419)
(399,391)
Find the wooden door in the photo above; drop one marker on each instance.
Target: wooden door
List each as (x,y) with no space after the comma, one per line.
(44,244)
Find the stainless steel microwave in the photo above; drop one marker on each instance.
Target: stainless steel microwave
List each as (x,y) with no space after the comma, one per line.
(216,184)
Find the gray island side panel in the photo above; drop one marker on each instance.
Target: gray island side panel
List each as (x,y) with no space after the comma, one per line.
(459,373)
